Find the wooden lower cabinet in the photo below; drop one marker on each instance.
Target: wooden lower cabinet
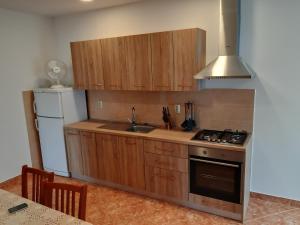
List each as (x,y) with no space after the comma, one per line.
(169,183)
(108,157)
(73,144)
(89,154)
(132,162)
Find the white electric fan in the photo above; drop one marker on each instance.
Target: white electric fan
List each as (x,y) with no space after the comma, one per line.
(56,70)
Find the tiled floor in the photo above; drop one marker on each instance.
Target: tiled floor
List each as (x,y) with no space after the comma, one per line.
(108,206)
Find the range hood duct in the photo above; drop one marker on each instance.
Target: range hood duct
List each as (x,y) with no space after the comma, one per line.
(228,64)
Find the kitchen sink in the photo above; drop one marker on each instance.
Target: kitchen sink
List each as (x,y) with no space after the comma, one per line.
(138,128)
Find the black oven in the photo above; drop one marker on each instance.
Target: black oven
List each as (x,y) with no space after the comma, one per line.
(216,173)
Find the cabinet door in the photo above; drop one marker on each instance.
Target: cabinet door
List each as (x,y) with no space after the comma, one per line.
(80,65)
(108,157)
(73,144)
(89,154)
(114,63)
(94,68)
(162,61)
(132,162)
(169,183)
(189,57)
(138,55)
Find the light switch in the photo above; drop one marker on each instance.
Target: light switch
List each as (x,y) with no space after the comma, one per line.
(177,109)
(99,104)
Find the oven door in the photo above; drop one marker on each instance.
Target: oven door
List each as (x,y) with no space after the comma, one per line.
(215,178)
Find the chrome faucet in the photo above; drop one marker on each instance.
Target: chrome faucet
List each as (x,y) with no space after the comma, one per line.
(133,119)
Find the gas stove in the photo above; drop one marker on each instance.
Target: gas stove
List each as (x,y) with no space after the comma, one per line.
(225,137)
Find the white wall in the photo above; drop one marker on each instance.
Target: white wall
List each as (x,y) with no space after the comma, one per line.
(270,44)
(26,42)
(144,17)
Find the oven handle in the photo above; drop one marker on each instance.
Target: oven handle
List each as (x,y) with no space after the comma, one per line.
(216,163)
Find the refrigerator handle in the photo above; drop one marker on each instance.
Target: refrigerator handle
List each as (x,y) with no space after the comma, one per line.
(34,106)
(36,124)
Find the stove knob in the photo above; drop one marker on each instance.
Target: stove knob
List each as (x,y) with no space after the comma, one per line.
(219,140)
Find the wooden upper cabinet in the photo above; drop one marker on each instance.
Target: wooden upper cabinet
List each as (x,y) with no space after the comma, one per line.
(87,65)
(132,167)
(108,157)
(89,154)
(114,62)
(138,55)
(189,57)
(79,63)
(165,61)
(93,54)
(162,61)
(73,144)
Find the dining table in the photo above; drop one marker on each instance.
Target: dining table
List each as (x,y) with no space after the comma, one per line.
(34,214)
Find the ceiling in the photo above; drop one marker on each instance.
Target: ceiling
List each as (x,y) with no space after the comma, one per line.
(59,7)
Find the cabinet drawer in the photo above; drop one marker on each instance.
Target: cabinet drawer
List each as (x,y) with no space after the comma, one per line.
(166,148)
(167,183)
(166,162)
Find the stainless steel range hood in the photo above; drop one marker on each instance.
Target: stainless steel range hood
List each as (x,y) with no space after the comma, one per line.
(228,64)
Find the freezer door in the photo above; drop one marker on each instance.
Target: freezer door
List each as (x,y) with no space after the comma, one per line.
(53,145)
(48,104)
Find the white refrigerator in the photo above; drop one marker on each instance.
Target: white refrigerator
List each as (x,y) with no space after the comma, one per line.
(54,108)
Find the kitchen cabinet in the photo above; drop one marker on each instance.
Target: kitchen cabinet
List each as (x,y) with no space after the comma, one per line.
(166,167)
(108,157)
(162,61)
(79,63)
(89,154)
(114,63)
(169,183)
(189,57)
(132,162)
(93,54)
(87,65)
(138,56)
(73,144)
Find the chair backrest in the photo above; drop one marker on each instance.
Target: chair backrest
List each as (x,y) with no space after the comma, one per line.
(37,176)
(65,198)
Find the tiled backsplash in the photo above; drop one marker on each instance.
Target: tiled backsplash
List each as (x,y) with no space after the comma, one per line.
(214,108)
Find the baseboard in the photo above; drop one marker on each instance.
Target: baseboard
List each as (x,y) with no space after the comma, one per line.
(272,198)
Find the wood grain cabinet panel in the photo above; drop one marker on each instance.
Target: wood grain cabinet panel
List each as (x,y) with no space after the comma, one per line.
(162,61)
(108,157)
(73,144)
(166,162)
(93,55)
(166,148)
(167,183)
(89,154)
(138,55)
(132,162)
(189,57)
(114,63)
(79,62)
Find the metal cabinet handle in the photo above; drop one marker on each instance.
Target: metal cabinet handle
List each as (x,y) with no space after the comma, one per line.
(215,163)
(36,122)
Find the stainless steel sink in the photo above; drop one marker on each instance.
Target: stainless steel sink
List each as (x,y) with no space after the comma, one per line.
(139,128)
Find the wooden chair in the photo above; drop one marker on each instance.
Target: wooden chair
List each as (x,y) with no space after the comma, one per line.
(37,177)
(62,197)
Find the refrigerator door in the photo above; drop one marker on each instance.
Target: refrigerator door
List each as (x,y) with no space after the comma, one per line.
(49,104)
(53,145)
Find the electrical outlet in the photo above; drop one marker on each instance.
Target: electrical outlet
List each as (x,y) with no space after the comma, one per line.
(177,109)
(99,104)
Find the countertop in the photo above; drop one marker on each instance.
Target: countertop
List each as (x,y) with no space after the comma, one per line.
(175,136)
